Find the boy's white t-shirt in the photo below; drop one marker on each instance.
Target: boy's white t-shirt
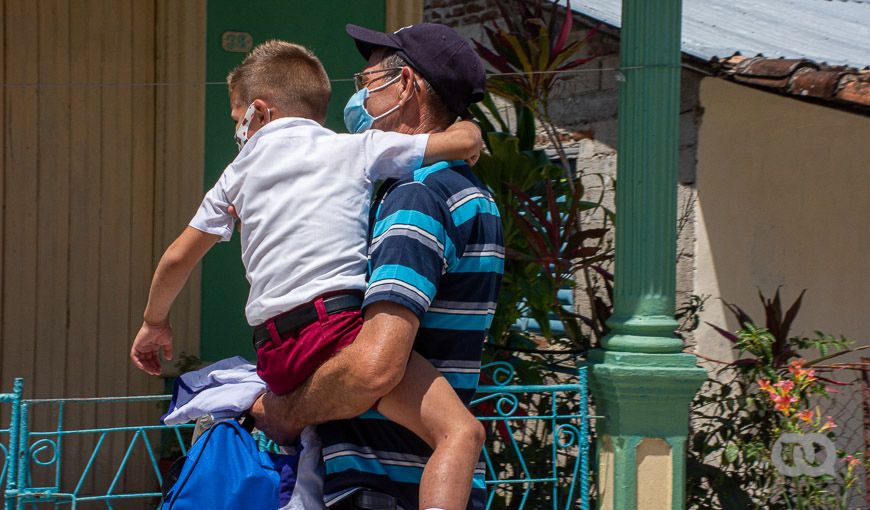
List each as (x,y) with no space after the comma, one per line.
(302,194)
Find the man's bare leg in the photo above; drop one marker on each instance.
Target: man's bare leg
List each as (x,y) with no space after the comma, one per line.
(425,403)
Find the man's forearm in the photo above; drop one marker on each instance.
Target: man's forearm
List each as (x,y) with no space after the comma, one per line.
(351,381)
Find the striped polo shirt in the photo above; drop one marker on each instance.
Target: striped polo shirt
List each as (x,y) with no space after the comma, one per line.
(437,250)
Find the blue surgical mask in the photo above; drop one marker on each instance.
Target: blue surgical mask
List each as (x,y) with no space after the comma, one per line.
(356,118)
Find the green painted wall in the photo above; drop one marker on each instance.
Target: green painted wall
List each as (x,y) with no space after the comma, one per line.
(317,24)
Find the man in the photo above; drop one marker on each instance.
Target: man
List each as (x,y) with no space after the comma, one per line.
(436,258)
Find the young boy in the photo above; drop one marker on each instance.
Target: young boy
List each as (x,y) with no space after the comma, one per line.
(301,192)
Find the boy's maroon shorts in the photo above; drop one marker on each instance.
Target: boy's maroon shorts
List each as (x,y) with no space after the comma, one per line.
(288,360)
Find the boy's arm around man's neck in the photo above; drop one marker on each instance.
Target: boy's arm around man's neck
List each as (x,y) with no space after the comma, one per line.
(461,141)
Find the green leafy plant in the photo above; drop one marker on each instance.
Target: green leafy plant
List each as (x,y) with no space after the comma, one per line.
(545,241)
(558,247)
(542,204)
(531,48)
(741,412)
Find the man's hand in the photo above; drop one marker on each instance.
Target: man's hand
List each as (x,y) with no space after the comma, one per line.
(151,339)
(270,422)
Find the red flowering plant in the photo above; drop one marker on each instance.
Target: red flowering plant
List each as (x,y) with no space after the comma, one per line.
(743,416)
(785,394)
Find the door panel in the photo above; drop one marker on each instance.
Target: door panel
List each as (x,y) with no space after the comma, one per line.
(232,27)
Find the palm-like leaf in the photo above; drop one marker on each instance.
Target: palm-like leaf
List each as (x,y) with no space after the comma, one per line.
(530,49)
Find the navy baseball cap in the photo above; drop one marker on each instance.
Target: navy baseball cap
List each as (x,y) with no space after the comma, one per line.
(443,57)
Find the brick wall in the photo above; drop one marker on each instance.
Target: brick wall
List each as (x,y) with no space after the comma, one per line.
(457,13)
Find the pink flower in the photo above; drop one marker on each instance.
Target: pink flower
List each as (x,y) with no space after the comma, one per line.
(851,460)
(786,385)
(796,366)
(764,385)
(806,415)
(783,403)
(828,425)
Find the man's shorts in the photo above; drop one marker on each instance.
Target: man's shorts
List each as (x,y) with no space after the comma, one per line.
(288,358)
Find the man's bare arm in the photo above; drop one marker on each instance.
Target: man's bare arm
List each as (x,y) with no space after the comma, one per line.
(351,381)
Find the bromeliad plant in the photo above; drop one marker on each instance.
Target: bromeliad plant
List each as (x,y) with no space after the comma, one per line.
(542,203)
(558,247)
(531,52)
(738,417)
(546,243)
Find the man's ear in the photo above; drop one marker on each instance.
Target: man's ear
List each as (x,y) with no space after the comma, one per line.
(409,85)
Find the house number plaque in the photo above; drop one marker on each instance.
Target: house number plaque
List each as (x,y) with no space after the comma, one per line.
(237,42)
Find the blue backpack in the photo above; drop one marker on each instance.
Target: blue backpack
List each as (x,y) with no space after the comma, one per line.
(225,469)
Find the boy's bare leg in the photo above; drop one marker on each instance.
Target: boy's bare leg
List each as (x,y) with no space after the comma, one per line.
(425,403)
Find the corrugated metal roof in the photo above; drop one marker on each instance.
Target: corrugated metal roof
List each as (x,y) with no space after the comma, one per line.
(832,31)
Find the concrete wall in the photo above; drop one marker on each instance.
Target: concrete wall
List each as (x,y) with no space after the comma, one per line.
(783,200)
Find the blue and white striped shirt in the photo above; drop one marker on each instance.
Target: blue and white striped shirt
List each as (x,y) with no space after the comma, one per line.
(437,250)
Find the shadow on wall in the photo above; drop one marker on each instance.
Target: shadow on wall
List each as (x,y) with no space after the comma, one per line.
(782,200)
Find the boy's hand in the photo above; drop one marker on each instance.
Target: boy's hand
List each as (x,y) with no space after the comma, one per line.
(151,339)
(232,210)
(473,132)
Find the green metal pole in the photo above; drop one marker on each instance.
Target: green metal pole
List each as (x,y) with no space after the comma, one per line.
(641,380)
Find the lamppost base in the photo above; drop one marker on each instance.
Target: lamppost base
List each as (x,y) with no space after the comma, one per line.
(644,399)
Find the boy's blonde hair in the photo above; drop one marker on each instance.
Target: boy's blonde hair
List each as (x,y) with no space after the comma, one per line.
(286,75)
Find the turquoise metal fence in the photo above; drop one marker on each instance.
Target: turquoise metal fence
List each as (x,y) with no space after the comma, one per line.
(33,460)
(537,455)
(9,437)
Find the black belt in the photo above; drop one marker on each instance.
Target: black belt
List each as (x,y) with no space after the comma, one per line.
(305,315)
(365,499)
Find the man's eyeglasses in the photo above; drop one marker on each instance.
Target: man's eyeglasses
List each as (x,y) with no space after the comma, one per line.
(360,80)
